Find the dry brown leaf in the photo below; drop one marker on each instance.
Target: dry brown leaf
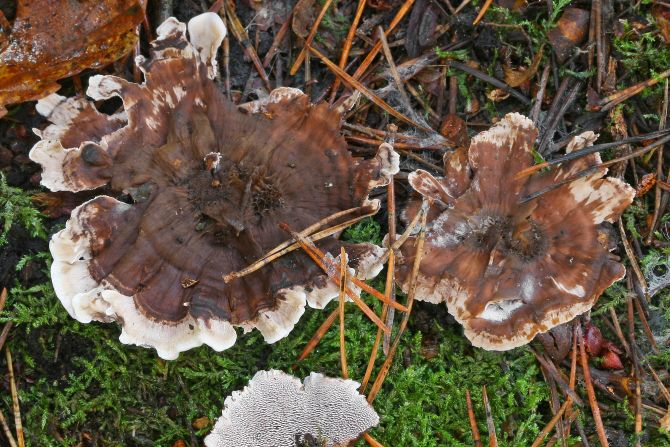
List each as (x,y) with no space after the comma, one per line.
(661,14)
(514,77)
(497,95)
(304,15)
(570,31)
(664,422)
(53,39)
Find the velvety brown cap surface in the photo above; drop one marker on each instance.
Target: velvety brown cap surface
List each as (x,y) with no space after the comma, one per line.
(508,270)
(207,186)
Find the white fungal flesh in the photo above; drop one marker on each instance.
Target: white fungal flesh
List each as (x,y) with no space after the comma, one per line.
(275,409)
(87,300)
(206,32)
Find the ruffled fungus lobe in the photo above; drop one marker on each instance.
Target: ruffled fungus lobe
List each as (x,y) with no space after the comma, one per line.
(276,410)
(208,185)
(506,270)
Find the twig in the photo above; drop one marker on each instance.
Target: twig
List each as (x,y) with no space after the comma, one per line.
(279,37)
(372,441)
(16,409)
(591,150)
(343,282)
(631,257)
(390,277)
(482,11)
(588,171)
(404,9)
(347,46)
(645,326)
(310,37)
(537,105)
(352,82)
(636,370)
(288,246)
(7,430)
(545,431)
(5,333)
(375,346)
(615,99)
(394,70)
(493,438)
(473,421)
(319,258)
(318,335)
(489,79)
(241,35)
(386,366)
(659,170)
(595,410)
(418,146)
(618,331)
(564,102)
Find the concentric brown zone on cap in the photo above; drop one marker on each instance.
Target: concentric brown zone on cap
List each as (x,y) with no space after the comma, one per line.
(509,270)
(190,223)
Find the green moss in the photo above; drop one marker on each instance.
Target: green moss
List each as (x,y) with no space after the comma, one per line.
(83,379)
(16,207)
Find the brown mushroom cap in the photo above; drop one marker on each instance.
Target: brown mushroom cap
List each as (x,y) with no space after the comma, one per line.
(275,410)
(507,270)
(209,185)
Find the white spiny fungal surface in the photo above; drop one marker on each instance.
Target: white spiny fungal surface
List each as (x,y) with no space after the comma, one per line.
(276,410)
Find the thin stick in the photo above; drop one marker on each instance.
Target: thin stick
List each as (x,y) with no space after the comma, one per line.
(15,400)
(241,35)
(372,441)
(489,79)
(319,258)
(473,421)
(482,11)
(645,326)
(545,431)
(390,278)
(595,410)
(310,37)
(389,286)
(274,48)
(590,150)
(7,430)
(493,438)
(318,335)
(619,332)
(355,84)
(3,298)
(617,98)
(636,370)
(5,333)
(386,366)
(377,46)
(288,245)
(392,67)
(347,46)
(408,146)
(632,258)
(375,347)
(343,282)
(591,170)
(659,170)
(573,374)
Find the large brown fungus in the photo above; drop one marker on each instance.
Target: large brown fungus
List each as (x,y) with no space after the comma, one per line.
(206,185)
(506,268)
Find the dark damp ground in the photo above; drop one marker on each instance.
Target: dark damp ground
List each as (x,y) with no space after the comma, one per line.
(78,386)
